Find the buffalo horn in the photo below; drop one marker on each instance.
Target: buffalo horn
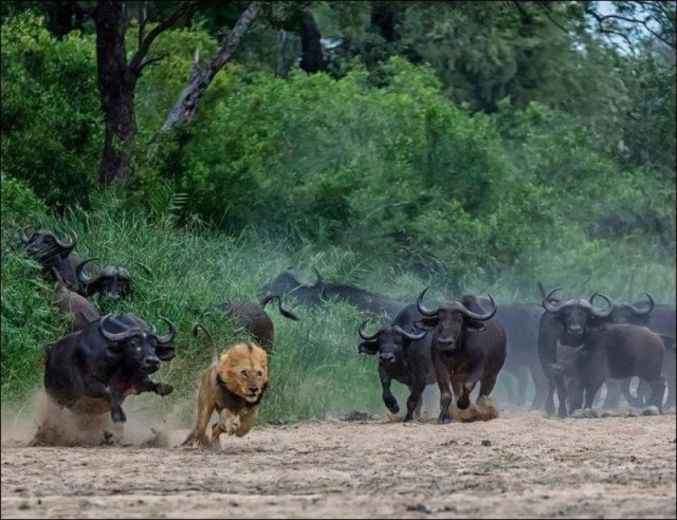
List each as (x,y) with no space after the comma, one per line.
(79,271)
(169,337)
(117,337)
(475,315)
(410,335)
(360,331)
(643,312)
(421,308)
(551,305)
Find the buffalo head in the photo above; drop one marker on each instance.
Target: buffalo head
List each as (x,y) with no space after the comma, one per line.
(575,314)
(111,281)
(636,313)
(46,248)
(390,343)
(133,340)
(450,321)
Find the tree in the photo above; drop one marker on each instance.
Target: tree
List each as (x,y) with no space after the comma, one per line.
(118,78)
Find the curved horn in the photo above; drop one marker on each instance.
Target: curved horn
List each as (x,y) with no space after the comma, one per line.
(144,267)
(478,316)
(598,312)
(197,326)
(644,312)
(551,306)
(117,337)
(360,331)
(78,271)
(24,237)
(63,244)
(410,335)
(169,337)
(421,308)
(595,295)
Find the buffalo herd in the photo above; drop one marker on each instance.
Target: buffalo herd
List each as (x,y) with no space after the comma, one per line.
(569,347)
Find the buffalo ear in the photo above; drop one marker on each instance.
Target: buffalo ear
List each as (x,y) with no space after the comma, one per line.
(368,347)
(427,323)
(475,325)
(165,353)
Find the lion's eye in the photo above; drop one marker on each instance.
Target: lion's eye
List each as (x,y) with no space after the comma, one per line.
(259,373)
(243,373)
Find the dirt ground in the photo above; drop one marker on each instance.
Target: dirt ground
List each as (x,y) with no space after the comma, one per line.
(520,466)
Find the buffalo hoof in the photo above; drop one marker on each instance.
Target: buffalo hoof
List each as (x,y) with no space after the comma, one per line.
(118,415)
(650,410)
(408,418)
(393,408)
(164,389)
(444,420)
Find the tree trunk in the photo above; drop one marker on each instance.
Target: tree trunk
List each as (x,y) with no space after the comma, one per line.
(312,59)
(116,86)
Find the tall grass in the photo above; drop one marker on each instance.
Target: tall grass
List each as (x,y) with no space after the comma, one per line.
(315,368)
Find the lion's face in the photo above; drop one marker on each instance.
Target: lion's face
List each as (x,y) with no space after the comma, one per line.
(244,370)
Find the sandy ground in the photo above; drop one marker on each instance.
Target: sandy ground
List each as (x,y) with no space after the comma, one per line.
(521,466)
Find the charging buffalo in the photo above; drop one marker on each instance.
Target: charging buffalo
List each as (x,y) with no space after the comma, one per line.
(467,347)
(403,355)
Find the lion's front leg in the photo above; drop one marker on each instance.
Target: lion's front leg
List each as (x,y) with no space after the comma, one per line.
(247,421)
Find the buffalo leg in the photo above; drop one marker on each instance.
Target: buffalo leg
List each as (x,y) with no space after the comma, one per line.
(388,397)
(540,387)
(550,399)
(414,400)
(114,399)
(613,394)
(443,381)
(560,384)
(657,392)
(575,395)
(591,389)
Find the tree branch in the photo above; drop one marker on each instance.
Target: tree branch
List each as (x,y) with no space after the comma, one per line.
(143,18)
(146,41)
(151,61)
(186,105)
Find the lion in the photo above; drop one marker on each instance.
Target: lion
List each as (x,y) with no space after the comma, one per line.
(233,386)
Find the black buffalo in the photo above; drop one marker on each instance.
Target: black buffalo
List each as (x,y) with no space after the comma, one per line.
(360,298)
(565,322)
(520,322)
(467,347)
(255,319)
(618,351)
(289,283)
(112,281)
(403,355)
(93,370)
(662,320)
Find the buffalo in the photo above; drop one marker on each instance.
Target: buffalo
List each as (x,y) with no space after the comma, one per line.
(618,351)
(289,284)
(565,322)
(58,260)
(520,322)
(312,295)
(404,355)
(73,304)
(660,319)
(92,371)
(360,298)
(467,347)
(255,319)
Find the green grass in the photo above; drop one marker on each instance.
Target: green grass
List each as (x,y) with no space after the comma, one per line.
(315,368)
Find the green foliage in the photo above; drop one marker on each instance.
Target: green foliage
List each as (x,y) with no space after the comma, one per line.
(20,206)
(51,129)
